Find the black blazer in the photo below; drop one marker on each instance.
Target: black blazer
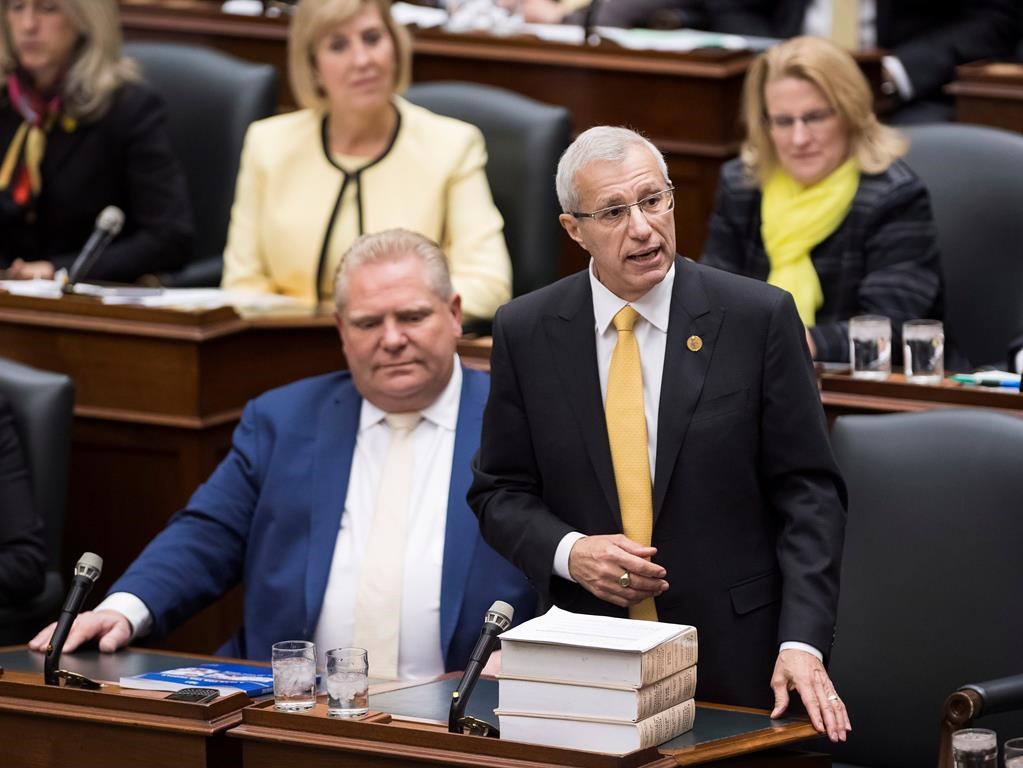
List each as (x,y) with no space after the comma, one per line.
(749,507)
(22,549)
(882,260)
(929,37)
(124,159)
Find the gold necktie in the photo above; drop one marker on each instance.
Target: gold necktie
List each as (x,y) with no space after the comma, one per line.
(378,600)
(845,24)
(626,430)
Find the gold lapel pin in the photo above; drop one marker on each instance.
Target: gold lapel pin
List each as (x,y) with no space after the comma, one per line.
(695,343)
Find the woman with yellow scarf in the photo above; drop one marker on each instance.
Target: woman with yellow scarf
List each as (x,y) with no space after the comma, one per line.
(819,204)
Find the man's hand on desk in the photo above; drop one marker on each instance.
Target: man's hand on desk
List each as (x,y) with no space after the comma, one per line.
(599,562)
(112,629)
(804,673)
(28,270)
(543,11)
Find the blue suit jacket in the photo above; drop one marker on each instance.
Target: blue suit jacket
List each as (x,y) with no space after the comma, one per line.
(269,517)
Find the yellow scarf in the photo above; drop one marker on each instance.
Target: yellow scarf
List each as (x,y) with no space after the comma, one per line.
(794,219)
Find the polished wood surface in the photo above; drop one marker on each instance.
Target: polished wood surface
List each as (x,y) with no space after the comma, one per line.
(989,93)
(49,727)
(311,739)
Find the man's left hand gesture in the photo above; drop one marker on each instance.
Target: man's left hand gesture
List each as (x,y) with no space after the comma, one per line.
(803,673)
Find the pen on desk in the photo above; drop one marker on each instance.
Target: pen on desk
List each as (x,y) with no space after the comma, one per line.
(965,378)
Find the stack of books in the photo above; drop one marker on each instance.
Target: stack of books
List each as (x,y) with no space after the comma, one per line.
(596,683)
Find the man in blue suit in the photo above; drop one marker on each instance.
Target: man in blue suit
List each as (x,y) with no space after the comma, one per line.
(290,512)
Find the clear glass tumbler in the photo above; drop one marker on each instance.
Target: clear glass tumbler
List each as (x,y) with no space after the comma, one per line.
(347,682)
(923,351)
(870,346)
(975,748)
(294,668)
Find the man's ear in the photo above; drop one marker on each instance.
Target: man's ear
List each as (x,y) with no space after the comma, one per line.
(340,327)
(571,225)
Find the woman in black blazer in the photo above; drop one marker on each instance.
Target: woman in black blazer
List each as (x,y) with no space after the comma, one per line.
(819,203)
(79,133)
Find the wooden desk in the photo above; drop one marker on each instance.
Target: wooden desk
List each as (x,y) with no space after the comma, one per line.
(989,93)
(311,739)
(687,104)
(43,725)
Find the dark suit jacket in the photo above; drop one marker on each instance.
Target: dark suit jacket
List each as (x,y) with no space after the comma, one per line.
(882,260)
(930,37)
(269,517)
(22,549)
(748,503)
(124,159)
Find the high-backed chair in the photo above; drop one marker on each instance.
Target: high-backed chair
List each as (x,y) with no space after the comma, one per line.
(975,178)
(524,141)
(931,574)
(211,99)
(41,404)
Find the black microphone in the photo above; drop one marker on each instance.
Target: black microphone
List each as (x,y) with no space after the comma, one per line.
(108,225)
(497,620)
(590,36)
(88,569)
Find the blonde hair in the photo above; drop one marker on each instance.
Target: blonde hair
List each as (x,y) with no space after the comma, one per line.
(97,68)
(834,71)
(315,18)
(394,245)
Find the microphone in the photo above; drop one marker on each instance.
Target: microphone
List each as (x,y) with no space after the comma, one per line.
(88,569)
(108,225)
(590,36)
(496,621)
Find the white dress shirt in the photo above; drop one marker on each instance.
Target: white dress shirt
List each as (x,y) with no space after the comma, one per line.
(817,22)
(651,331)
(419,646)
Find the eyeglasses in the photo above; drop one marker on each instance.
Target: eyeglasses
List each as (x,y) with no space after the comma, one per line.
(651,205)
(810,120)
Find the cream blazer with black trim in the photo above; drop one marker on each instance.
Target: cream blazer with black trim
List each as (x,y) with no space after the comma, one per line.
(431,181)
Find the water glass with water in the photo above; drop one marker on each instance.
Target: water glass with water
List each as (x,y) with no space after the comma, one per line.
(923,351)
(1013,753)
(870,346)
(975,748)
(347,682)
(294,668)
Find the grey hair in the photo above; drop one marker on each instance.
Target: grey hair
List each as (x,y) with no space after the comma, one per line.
(601,143)
(394,245)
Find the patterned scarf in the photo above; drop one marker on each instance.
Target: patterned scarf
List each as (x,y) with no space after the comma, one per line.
(794,219)
(20,174)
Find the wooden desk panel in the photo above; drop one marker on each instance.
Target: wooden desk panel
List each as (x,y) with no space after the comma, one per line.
(989,94)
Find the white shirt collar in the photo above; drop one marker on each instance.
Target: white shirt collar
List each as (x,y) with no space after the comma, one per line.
(654,306)
(443,411)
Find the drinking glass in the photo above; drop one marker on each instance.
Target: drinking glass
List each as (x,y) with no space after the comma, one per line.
(923,351)
(1013,753)
(347,682)
(975,748)
(870,346)
(294,667)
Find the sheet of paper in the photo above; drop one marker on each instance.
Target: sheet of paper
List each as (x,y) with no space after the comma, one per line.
(560,627)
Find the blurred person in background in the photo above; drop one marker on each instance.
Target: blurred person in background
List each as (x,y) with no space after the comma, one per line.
(78,132)
(359,159)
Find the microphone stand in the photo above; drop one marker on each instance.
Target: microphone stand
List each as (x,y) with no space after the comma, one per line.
(590,35)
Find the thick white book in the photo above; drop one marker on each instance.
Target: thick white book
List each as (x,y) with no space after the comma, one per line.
(597,649)
(555,697)
(615,737)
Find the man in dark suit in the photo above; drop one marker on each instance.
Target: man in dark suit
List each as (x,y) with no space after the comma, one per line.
(927,39)
(292,511)
(744,506)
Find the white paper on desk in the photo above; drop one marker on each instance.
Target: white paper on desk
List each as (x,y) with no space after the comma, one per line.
(558,627)
(423,17)
(679,40)
(43,289)
(205,298)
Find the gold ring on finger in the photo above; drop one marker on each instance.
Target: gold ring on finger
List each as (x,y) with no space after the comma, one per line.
(625,580)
